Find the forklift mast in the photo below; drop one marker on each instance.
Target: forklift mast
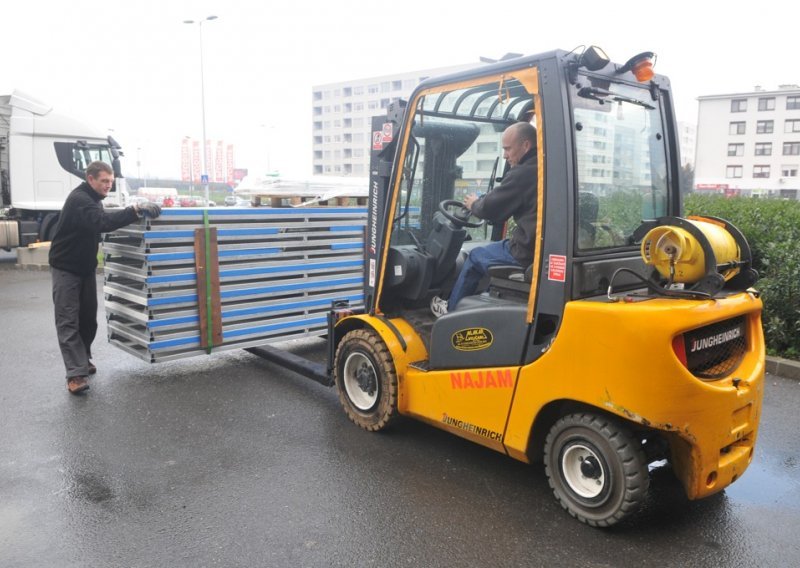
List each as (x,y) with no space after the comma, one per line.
(382,155)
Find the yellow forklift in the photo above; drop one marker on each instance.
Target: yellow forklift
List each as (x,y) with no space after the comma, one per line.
(634,336)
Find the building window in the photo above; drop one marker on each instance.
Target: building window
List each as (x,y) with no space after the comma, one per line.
(791,148)
(372,89)
(736,149)
(358,107)
(317,125)
(317,139)
(792,103)
(733,172)
(766,103)
(763,148)
(358,90)
(487,147)
(397,85)
(317,111)
(792,126)
(760,171)
(765,126)
(789,171)
(347,92)
(736,128)
(738,105)
(317,95)
(372,105)
(317,154)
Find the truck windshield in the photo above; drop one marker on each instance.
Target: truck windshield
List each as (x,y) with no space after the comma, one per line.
(621,162)
(76,156)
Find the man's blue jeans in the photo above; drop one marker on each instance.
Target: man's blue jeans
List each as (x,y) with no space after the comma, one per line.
(477,266)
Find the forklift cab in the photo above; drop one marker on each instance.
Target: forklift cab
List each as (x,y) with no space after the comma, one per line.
(448,145)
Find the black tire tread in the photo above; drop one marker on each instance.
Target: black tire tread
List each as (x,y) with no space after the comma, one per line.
(629,453)
(386,413)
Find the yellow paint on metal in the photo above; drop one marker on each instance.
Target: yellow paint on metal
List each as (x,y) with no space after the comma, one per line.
(638,377)
(471,403)
(673,249)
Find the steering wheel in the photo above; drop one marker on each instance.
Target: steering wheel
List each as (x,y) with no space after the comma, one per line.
(460,218)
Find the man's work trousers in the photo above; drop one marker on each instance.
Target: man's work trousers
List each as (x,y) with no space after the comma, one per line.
(75,300)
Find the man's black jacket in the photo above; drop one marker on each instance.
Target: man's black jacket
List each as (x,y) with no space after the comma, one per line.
(514,197)
(74,246)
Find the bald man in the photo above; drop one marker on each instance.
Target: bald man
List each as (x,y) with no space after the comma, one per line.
(515,198)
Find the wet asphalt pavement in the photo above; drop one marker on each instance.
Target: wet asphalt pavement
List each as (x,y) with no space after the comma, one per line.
(231,461)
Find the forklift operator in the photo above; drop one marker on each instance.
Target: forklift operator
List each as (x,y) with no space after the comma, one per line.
(514,197)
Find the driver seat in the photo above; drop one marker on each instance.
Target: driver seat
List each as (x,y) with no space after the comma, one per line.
(510,282)
(444,245)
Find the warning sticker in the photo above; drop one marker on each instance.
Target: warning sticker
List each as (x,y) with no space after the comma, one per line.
(377,140)
(557,268)
(386,133)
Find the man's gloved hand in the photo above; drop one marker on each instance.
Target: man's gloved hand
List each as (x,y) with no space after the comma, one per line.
(149,210)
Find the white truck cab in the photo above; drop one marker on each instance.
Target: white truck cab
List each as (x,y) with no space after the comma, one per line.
(43,156)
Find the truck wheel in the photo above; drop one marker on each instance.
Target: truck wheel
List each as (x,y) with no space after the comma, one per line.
(48,230)
(596,468)
(366,380)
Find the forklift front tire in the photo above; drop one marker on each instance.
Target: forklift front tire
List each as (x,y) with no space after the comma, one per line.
(366,380)
(596,468)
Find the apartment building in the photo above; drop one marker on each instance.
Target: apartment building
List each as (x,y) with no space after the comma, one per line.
(342,112)
(749,143)
(687,139)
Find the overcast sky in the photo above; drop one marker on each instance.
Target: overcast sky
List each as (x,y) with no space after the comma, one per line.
(133,66)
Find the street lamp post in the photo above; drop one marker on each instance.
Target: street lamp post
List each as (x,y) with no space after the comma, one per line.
(204,174)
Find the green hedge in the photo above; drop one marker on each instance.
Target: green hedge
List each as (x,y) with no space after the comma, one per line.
(772,227)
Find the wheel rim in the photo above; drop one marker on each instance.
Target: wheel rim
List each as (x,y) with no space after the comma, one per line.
(360,381)
(584,471)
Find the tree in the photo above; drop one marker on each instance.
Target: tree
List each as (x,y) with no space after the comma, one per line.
(686,179)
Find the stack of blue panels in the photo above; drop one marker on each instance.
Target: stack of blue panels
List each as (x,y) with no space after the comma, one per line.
(280,270)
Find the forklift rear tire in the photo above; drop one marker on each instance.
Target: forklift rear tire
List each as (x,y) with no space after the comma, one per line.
(366,380)
(596,468)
